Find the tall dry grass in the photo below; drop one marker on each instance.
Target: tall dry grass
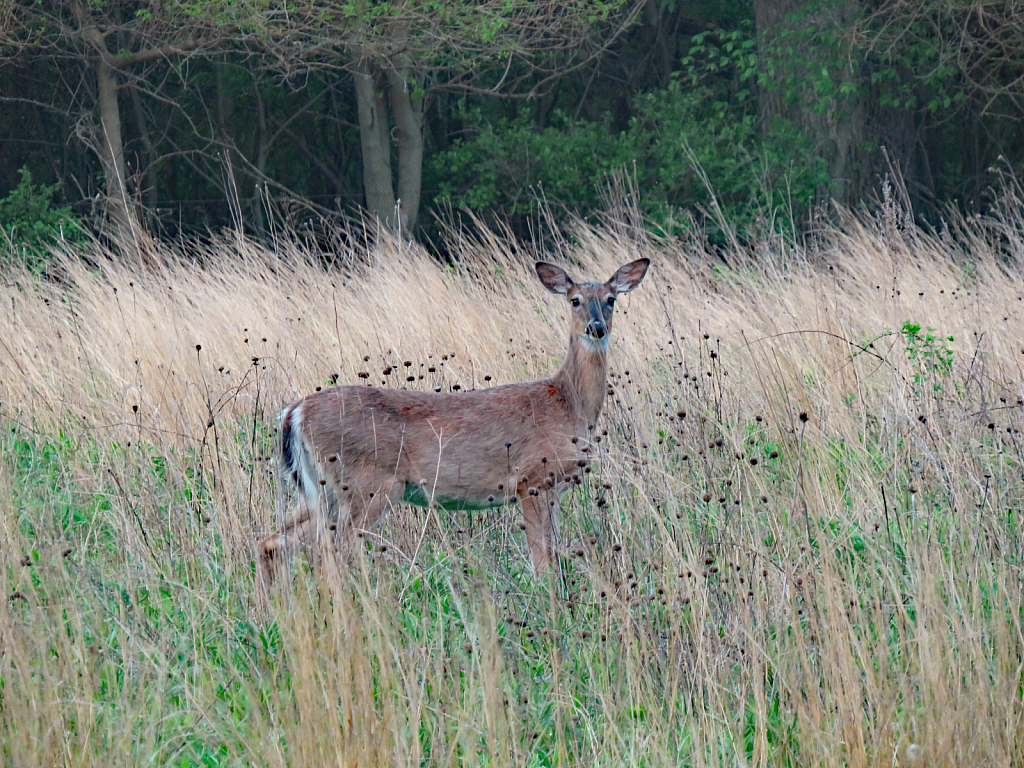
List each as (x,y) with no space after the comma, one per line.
(818,564)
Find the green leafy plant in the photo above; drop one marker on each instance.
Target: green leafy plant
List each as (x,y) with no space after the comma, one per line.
(30,222)
(929,351)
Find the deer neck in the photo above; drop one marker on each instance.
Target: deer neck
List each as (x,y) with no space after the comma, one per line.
(582,378)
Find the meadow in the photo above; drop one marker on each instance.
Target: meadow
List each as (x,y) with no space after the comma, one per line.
(800,544)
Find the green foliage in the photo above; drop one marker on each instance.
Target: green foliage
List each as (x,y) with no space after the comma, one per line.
(811,60)
(30,223)
(922,71)
(929,353)
(692,142)
(509,163)
(687,143)
(725,51)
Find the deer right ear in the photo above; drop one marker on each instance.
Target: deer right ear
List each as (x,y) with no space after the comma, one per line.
(553,278)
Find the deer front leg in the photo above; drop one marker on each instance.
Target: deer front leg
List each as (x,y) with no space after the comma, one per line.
(538,512)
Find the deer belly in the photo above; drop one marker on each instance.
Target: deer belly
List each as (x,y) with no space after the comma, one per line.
(424,495)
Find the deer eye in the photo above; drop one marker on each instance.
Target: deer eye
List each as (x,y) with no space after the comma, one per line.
(611,301)
(575,301)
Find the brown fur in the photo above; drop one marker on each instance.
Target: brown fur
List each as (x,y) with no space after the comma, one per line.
(353,451)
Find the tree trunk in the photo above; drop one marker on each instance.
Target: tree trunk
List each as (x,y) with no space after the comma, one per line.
(149,192)
(375,142)
(770,21)
(408,115)
(225,124)
(836,124)
(658,44)
(111,150)
(259,198)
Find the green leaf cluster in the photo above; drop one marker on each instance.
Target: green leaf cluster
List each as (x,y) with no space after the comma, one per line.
(928,352)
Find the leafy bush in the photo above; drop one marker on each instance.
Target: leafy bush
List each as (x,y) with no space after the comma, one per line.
(690,144)
(509,163)
(684,144)
(30,223)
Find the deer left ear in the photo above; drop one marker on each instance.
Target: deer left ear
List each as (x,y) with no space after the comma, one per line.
(629,276)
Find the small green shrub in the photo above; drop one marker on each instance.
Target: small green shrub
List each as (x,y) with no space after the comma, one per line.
(927,351)
(30,223)
(510,163)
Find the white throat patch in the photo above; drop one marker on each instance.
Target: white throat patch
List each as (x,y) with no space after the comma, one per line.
(594,345)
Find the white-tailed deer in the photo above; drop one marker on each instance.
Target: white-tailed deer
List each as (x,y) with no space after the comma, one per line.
(354,451)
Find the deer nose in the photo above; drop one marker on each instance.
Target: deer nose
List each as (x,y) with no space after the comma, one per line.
(596,330)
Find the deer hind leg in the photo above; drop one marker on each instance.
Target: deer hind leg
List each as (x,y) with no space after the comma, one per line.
(541,515)
(318,507)
(298,530)
(366,502)
(315,495)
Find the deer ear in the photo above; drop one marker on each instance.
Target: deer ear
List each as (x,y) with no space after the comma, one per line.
(553,278)
(629,276)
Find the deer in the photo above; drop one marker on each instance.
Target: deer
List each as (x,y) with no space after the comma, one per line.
(352,452)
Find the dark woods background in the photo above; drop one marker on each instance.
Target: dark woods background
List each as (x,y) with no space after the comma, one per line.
(185,117)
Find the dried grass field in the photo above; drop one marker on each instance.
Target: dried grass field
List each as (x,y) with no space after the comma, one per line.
(800,544)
